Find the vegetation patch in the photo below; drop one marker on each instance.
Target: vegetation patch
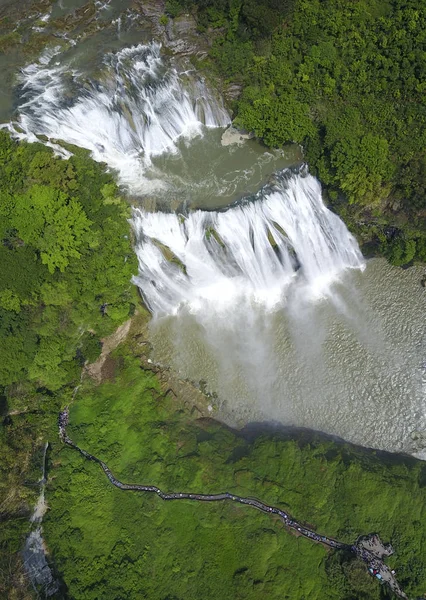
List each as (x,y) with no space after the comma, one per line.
(169,255)
(66,263)
(9,41)
(212,233)
(148,438)
(346,81)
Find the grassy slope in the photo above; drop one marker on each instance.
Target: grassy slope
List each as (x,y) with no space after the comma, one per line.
(113,544)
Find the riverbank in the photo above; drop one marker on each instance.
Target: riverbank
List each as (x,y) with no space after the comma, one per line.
(369,548)
(150,426)
(146,435)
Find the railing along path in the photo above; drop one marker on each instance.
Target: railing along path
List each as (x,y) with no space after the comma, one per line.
(369,557)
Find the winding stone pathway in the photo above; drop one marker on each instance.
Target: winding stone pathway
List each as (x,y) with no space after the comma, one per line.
(371,554)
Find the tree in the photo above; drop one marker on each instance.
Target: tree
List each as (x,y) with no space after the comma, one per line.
(65,251)
(51,222)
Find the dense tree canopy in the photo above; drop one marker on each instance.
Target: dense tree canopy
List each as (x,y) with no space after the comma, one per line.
(66,262)
(346,80)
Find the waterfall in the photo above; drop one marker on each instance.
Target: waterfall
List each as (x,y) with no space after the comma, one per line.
(255,300)
(259,249)
(136,109)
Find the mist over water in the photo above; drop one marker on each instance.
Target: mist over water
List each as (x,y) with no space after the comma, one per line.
(267,300)
(348,363)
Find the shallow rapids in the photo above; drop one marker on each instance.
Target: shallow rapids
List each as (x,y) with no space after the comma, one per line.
(136,109)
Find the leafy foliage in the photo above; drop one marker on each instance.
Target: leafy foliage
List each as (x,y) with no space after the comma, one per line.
(66,264)
(147,438)
(66,261)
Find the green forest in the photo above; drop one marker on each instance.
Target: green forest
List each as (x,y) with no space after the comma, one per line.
(346,80)
(67,261)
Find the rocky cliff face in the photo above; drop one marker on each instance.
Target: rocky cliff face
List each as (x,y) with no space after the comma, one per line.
(181,37)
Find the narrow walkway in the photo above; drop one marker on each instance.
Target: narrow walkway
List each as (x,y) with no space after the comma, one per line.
(372,559)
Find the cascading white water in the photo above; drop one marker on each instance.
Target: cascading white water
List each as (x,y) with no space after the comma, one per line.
(259,249)
(137,109)
(264,302)
(256,300)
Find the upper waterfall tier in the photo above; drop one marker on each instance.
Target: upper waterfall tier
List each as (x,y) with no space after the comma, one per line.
(136,109)
(259,249)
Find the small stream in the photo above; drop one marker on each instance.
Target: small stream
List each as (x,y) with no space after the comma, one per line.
(34,552)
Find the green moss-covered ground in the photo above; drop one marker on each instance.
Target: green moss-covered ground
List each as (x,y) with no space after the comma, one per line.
(107,543)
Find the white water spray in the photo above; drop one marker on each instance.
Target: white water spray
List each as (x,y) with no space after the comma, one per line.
(260,250)
(242,288)
(139,108)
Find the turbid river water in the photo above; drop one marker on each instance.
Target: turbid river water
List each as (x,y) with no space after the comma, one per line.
(262,293)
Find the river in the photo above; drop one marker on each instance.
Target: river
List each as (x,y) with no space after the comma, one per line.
(257,290)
